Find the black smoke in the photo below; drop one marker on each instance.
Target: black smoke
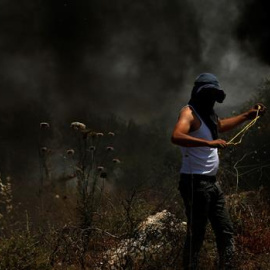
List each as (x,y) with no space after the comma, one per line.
(253,28)
(125,56)
(67,60)
(62,61)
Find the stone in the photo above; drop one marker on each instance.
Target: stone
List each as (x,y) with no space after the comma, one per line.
(157,239)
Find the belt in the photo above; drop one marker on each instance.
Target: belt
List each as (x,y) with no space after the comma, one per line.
(199,177)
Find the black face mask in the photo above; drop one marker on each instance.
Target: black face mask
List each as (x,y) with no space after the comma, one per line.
(220,96)
(203,102)
(210,95)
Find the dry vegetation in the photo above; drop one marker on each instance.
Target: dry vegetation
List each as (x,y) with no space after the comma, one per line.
(101,194)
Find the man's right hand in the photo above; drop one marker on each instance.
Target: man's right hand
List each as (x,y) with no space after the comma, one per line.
(219,143)
(258,109)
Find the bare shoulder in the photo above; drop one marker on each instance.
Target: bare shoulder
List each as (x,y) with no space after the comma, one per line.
(186,113)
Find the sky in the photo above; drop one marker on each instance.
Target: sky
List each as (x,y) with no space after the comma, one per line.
(64,60)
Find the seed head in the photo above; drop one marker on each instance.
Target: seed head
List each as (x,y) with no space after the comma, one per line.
(78,126)
(70,152)
(100,168)
(111,134)
(92,148)
(110,148)
(44,149)
(116,160)
(100,134)
(44,125)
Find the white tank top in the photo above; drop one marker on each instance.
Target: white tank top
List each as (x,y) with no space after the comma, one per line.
(200,160)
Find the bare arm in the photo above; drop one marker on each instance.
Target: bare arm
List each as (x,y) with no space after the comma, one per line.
(183,126)
(232,122)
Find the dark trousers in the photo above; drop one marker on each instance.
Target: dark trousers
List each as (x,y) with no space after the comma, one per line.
(204,200)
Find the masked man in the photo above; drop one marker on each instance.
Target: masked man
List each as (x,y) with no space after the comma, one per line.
(196,131)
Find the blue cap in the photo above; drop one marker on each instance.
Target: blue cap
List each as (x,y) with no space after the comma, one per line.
(207,80)
(210,81)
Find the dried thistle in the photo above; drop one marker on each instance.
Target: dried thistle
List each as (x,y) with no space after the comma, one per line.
(110,149)
(116,160)
(70,152)
(44,125)
(44,149)
(78,126)
(100,134)
(111,134)
(100,168)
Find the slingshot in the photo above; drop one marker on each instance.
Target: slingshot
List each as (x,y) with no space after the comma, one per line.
(244,130)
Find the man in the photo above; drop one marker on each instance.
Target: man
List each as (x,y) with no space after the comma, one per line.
(196,131)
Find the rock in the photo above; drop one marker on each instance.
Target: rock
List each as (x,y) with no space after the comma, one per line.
(156,240)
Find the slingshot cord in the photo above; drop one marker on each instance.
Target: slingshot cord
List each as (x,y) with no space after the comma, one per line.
(244,130)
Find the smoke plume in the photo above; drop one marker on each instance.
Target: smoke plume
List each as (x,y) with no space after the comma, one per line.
(64,60)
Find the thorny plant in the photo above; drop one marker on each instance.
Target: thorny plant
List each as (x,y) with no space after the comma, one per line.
(90,160)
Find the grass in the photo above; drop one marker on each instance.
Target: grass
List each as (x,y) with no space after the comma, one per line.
(60,247)
(63,228)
